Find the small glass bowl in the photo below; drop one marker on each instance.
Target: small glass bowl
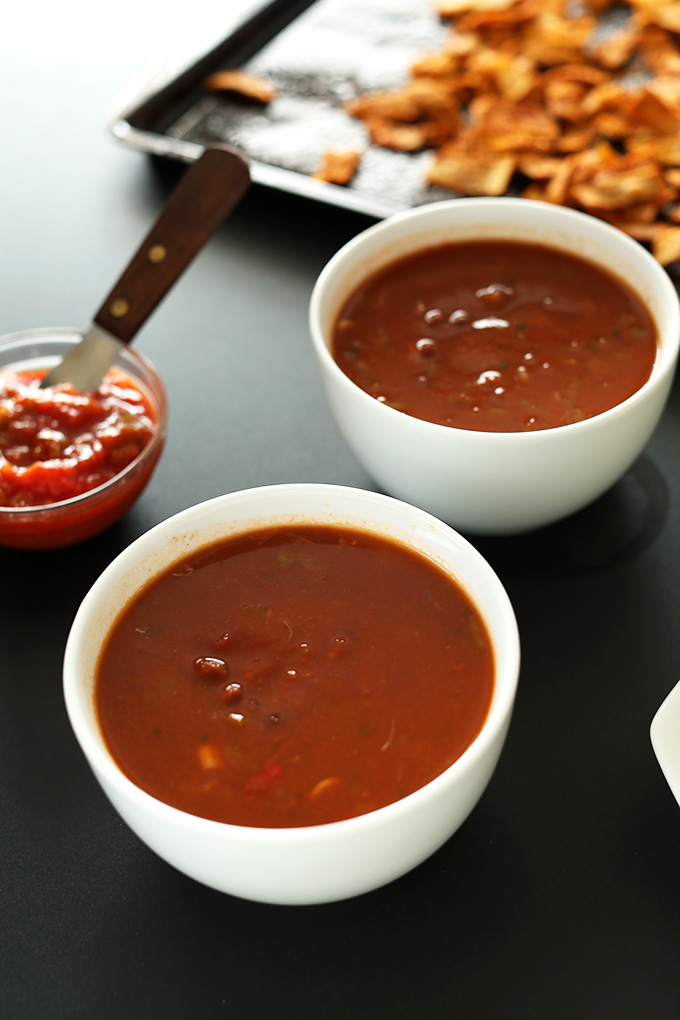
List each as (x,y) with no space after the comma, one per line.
(73,520)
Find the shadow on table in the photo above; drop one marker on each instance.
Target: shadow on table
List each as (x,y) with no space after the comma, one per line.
(612,531)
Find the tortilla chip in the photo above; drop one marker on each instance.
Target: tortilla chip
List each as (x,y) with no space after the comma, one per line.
(392,105)
(440,64)
(664,148)
(559,187)
(598,6)
(611,124)
(461,44)
(338,167)
(535,192)
(651,111)
(243,84)
(666,244)
(513,77)
(659,50)
(404,137)
(545,96)
(585,73)
(608,95)
(576,140)
(472,173)
(553,39)
(539,166)
(618,50)
(643,232)
(451,8)
(665,15)
(619,188)
(564,99)
(509,127)
(643,213)
(598,157)
(422,114)
(484,19)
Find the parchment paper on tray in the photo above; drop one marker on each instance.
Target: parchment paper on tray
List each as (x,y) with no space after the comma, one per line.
(334,51)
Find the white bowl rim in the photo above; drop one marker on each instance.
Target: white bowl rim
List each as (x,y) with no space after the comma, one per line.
(664,361)
(102,762)
(663,734)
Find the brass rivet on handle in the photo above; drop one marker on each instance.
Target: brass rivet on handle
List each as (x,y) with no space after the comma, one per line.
(119,308)
(157,253)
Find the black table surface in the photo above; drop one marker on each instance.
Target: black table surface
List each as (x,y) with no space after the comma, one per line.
(560,896)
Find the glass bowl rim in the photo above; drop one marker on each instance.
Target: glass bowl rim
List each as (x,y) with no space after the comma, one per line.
(100,491)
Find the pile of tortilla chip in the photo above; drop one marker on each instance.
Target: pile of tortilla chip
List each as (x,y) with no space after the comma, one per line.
(525,96)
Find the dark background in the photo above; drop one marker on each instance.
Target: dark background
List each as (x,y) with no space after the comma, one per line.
(560,896)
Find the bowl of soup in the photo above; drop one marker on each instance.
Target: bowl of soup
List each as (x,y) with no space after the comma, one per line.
(72,463)
(297,693)
(498,362)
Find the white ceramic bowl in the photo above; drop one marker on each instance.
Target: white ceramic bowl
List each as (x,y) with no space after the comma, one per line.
(319,863)
(665,736)
(483,482)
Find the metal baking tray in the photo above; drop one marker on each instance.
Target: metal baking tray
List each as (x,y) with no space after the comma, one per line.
(318,54)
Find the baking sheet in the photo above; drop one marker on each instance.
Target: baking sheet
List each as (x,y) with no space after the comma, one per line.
(318,56)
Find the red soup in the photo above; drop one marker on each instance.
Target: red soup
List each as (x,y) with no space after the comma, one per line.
(294,676)
(495,336)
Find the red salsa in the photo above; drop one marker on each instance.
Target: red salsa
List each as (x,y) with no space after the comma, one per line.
(294,676)
(56,443)
(495,336)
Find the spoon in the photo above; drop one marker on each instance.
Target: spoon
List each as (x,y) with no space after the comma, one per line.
(665,737)
(207,192)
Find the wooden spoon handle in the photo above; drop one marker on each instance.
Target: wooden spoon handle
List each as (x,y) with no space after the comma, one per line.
(208,190)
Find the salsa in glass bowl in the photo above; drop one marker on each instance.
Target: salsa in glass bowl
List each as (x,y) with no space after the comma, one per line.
(72,463)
